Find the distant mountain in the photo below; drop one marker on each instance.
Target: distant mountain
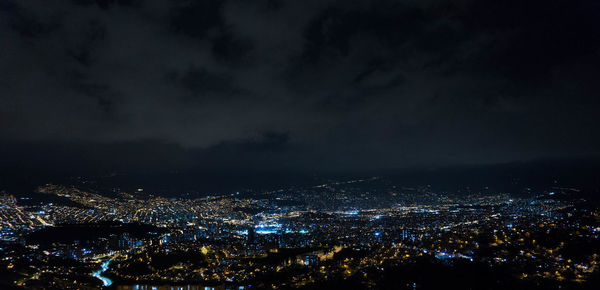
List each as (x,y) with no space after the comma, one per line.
(509,177)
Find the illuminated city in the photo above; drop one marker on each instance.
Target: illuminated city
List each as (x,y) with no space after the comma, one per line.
(353,230)
(300,144)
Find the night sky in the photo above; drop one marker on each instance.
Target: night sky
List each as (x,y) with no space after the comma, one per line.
(296,85)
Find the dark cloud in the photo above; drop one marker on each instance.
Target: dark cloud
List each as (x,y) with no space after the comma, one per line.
(196,18)
(299,84)
(200,81)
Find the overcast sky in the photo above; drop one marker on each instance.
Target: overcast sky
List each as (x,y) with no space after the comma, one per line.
(154,84)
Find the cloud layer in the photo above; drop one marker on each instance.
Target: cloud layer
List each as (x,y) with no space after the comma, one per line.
(300,84)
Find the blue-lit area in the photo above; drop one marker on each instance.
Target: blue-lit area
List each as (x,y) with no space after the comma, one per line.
(442,255)
(98,274)
(265,229)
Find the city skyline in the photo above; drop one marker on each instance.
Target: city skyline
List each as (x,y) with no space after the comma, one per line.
(308,144)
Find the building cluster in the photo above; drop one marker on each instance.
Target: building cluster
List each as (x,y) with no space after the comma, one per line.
(292,237)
